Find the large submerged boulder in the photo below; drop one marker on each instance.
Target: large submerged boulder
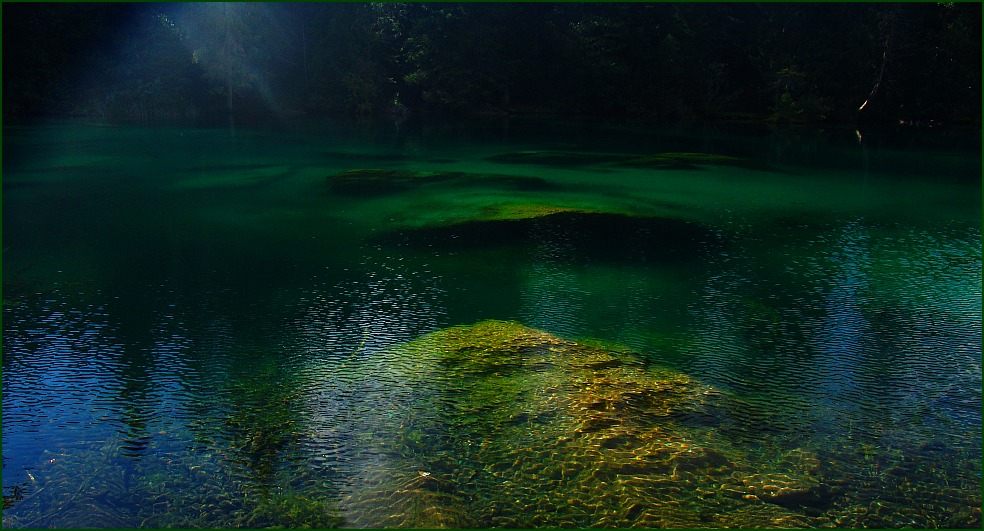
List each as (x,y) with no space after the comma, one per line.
(516,427)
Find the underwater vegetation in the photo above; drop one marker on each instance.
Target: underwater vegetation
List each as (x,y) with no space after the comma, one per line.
(496,424)
(545,431)
(501,212)
(439,198)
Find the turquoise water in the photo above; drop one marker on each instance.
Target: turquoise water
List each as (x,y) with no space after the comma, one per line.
(205,329)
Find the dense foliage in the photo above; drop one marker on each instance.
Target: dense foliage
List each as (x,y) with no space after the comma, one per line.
(243,62)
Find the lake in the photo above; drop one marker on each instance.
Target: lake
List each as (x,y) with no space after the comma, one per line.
(513,324)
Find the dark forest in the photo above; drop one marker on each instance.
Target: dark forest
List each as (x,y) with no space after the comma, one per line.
(246,63)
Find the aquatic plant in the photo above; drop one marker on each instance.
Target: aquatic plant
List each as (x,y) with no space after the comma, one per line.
(293,509)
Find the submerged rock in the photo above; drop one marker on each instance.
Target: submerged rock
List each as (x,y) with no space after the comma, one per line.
(523,428)
(517,211)
(791,491)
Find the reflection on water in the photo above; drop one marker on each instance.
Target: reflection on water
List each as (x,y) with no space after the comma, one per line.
(844,326)
(222,341)
(352,399)
(552,299)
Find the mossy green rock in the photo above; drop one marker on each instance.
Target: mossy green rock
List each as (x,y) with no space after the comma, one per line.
(519,211)
(525,428)
(505,211)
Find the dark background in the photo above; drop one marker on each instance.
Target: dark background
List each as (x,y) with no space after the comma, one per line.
(918,64)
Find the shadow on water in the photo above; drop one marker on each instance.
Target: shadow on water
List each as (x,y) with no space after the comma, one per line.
(382,157)
(381,182)
(595,236)
(657,161)
(228,167)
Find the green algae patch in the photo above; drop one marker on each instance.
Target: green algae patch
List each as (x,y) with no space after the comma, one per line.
(517,211)
(536,430)
(496,211)
(293,510)
(370,182)
(485,336)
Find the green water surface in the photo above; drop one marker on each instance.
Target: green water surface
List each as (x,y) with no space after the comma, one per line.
(474,325)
